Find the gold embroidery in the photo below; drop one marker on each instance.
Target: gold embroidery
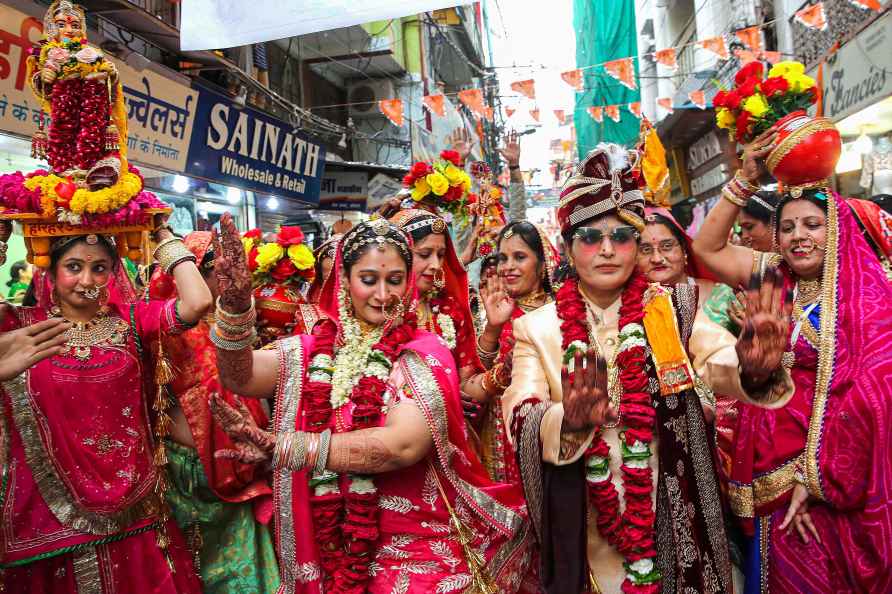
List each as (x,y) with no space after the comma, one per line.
(86,571)
(826,352)
(766,488)
(764,545)
(686,553)
(678,426)
(740,496)
(51,487)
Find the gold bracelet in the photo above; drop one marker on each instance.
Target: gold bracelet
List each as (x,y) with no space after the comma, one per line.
(172,251)
(745,183)
(729,195)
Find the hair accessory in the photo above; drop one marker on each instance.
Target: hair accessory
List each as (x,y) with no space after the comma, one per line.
(762,203)
(509,233)
(385,232)
(92,239)
(436,224)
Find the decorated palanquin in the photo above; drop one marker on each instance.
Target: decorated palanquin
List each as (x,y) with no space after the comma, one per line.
(279,270)
(89,184)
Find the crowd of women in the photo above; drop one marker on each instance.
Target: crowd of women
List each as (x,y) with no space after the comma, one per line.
(632,410)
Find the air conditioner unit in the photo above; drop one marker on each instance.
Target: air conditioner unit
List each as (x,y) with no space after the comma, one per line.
(363,97)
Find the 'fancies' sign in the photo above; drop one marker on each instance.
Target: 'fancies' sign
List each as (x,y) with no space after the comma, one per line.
(245,148)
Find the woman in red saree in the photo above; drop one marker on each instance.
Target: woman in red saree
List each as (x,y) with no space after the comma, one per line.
(813,475)
(80,486)
(223,507)
(376,486)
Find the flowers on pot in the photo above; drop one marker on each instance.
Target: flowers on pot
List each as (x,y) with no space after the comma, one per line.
(760,99)
(443,182)
(287,260)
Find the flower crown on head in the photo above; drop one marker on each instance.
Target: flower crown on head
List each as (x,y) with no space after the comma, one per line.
(442,182)
(757,101)
(288,259)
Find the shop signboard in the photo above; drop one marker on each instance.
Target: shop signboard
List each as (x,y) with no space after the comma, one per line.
(858,75)
(344,190)
(242,147)
(160,111)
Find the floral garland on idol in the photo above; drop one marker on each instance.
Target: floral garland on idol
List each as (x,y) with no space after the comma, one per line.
(631,533)
(756,102)
(443,183)
(346,524)
(286,259)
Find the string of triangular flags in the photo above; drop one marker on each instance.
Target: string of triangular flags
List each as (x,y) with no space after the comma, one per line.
(623,70)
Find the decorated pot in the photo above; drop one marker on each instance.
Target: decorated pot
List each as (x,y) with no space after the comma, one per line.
(806,150)
(276,306)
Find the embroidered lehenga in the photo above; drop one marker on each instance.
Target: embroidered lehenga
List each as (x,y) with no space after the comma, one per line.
(424,513)
(79,502)
(223,507)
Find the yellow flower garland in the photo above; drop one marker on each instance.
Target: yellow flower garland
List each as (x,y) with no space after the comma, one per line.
(85,201)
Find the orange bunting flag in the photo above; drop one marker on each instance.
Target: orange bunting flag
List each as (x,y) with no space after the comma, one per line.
(698,98)
(509,111)
(435,104)
(612,112)
(666,103)
(597,113)
(746,56)
(472,99)
(573,78)
(622,70)
(635,108)
(771,57)
(561,117)
(666,57)
(393,109)
(527,88)
(751,37)
(812,17)
(534,113)
(716,45)
(867,4)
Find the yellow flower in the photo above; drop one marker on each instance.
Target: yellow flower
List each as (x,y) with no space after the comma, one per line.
(724,118)
(756,105)
(453,174)
(438,183)
(268,255)
(420,190)
(466,181)
(248,244)
(301,256)
(800,82)
(785,69)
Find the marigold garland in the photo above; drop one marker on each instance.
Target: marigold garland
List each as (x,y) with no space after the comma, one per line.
(632,534)
(85,201)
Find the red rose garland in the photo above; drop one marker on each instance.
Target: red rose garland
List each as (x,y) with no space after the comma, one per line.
(632,534)
(346,525)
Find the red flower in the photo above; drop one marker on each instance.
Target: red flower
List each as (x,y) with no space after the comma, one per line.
(454,193)
(253,234)
(408,180)
(451,156)
(420,169)
(753,70)
(733,99)
(283,270)
(748,88)
(743,121)
(813,94)
(776,85)
(252,259)
(290,236)
(719,99)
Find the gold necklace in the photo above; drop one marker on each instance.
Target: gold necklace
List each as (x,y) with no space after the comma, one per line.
(531,301)
(102,329)
(808,291)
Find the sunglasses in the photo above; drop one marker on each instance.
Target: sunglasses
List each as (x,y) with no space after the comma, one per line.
(618,235)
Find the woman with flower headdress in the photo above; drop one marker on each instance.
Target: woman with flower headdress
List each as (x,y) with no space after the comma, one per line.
(82,440)
(607,402)
(376,486)
(223,507)
(804,482)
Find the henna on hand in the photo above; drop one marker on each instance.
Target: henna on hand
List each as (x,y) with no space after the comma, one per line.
(585,399)
(231,267)
(252,444)
(360,452)
(761,345)
(235,367)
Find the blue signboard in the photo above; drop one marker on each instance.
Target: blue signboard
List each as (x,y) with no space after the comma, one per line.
(245,148)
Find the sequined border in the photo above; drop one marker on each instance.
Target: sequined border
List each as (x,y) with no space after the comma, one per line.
(430,400)
(290,355)
(826,353)
(51,487)
(745,499)
(764,549)
(86,572)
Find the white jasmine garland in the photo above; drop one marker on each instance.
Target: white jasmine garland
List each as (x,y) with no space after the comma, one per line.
(447,329)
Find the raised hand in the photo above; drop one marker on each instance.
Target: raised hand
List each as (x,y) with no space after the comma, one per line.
(511,151)
(252,443)
(25,347)
(231,267)
(585,396)
(498,304)
(754,154)
(766,327)
(462,143)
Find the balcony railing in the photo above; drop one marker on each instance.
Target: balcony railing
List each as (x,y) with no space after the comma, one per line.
(844,19)
(162,9)
(686,57)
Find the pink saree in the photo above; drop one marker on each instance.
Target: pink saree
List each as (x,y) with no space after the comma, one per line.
(837,425)
(77,508)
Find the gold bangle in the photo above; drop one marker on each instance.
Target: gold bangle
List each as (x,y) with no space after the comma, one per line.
(729,195)
(172,251)
(745,183)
